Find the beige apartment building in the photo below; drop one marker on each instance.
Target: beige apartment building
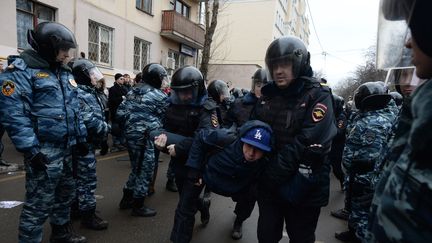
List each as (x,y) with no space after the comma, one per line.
(120,36)
(245,29)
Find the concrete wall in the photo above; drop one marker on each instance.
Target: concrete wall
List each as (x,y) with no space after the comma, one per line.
(243,33)
(239,74)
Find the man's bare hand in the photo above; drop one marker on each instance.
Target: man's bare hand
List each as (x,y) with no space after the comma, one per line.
(171,150)
(160,141)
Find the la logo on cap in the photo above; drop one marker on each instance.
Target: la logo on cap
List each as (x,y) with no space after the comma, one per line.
(258,134)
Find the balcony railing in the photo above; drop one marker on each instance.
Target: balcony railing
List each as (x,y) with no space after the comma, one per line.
(179,28)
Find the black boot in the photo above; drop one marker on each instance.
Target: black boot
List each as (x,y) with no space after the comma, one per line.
(140,210)
(127,200)
(340,214)
(90,220)
(347,236)
(104,148)
(171,185)
(74,211)
(237,229)
(205,210)
(65,234)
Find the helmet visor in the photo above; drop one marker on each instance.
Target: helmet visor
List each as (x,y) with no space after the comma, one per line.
(393,32)
(165,82)
(223,91)
(404,80)
(285,67)
(95,75)
(185,96)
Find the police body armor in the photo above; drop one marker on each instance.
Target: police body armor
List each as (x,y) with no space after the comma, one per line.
(285,114)
(182,119)
(185,120)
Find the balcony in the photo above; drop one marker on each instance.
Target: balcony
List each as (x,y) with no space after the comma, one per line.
(180,29)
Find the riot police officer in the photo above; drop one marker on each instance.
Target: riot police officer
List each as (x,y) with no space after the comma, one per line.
(219,92)
(295,184)
(365,147)
(40,111)
(401,205)
(92,111)
(141,112)
(242,107)
(189,111)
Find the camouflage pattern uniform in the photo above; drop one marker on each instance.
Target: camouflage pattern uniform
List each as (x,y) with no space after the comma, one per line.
(141,112)
(40,111)
(364,150)
(2,131)
(401,210)
(94,119)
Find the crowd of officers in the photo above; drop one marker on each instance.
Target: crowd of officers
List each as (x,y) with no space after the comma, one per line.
(274,145)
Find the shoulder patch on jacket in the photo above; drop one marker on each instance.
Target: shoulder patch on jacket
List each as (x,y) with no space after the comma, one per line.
(42,75)
(340,124)
(8,87)
(369,136)
(73,82)
(214,120)
(318,112)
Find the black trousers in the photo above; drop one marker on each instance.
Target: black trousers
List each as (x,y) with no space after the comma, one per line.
(300,222)
(188,205)
(245,203)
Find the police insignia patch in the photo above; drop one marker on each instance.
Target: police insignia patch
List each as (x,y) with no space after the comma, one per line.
(8,87)
(318,112)
(42,75)
(73,82)
(369,136)
(214,120)
(340,124)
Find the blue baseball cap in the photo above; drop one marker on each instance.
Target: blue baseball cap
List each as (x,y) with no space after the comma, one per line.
(258,137)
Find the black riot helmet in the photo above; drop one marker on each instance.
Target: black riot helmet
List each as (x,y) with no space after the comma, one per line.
(288,50)
(49,37)
(338,104)
(236,93)
(259,78)
(371,96)
(187,85)
(397,97)
(218,91)
(85,72)
(154,74)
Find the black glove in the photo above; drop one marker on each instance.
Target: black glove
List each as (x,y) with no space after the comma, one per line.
(39,161)
(82,149)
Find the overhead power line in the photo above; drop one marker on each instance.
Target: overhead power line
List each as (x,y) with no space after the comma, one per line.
(313,25)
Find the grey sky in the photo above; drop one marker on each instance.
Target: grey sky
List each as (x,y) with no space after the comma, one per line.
(346,29)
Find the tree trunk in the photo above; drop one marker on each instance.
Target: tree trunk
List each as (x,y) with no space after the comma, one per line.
(210,29)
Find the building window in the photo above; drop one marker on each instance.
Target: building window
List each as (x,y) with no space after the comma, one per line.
(179,58)
(100,43)
(141,54)
(144,5)
(29,14)
(181,8)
